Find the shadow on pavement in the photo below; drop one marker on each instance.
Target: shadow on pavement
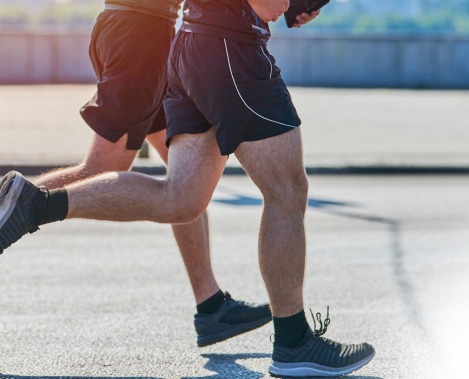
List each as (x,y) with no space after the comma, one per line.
(226,366)
(237,199)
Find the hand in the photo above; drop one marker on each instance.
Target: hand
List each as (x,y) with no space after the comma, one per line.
(305,18)
(269,10)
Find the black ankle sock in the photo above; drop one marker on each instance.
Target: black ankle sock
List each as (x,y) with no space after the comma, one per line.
(212,304)
(51,206)
(290,330)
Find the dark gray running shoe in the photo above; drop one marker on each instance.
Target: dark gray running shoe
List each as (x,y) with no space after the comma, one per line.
(17,198)
(233,318)
(316,356)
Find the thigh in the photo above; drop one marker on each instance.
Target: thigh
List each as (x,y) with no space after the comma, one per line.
(276,163)
(195,166)
(158,141)
(104,156)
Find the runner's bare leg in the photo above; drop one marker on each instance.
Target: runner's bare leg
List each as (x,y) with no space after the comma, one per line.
(276,167)
(192,239)
(194,169)
(103,156)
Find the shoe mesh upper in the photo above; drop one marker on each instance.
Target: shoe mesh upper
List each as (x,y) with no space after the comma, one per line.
(236,311)
(21,219)
(322,351)
(231,313)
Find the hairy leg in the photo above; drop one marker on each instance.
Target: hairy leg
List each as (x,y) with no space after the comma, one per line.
(276,167)
(103,156)
(194,169)
(193,241)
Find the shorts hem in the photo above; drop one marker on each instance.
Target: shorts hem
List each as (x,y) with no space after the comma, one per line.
(113,136)
(171,134)
(227,150)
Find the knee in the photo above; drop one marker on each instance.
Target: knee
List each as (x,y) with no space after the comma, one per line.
(88,169)
(188,209)
(291,191)
(84,170)
(184,216)
(187,214)
(91,167)
(299,189)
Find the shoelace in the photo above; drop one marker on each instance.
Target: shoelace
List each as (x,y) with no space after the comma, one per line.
(317,332)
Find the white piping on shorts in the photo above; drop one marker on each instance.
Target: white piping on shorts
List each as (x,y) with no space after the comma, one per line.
(265,55)
(241,97)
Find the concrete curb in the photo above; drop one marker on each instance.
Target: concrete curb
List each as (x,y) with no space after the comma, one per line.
(233,170)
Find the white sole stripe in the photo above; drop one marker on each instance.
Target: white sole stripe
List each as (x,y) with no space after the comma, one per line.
(302,370)
(241,97)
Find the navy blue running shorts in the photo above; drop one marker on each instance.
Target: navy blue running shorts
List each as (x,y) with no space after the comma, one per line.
(233,87)
(129,52)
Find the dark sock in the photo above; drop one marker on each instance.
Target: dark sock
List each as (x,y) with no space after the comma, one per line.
(290,330)
(51,206)
(212,304)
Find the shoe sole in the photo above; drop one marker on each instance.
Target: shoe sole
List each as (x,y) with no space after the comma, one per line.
(11,198)
(308,370)
(233,331)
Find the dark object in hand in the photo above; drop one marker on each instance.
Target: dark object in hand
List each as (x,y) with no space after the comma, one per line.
(298,7)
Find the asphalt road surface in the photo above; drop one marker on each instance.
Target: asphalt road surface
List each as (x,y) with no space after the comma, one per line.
(389,255)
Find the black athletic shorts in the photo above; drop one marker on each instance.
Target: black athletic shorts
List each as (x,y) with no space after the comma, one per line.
(234,87)
(129,52)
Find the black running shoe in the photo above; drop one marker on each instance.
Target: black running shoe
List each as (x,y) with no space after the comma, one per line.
(17,198)
(316,356)
(233,318)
